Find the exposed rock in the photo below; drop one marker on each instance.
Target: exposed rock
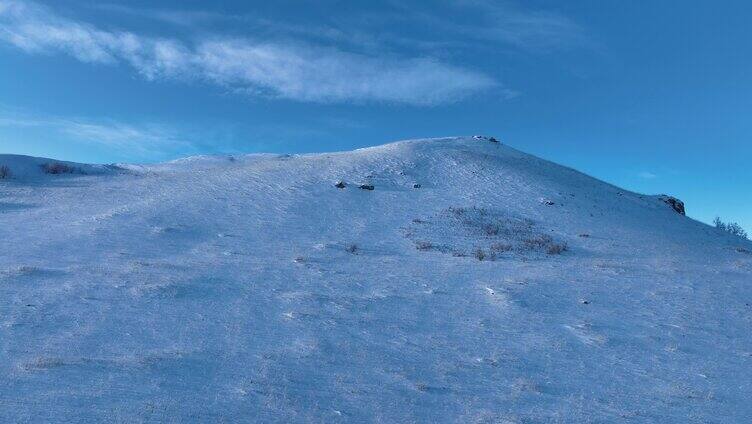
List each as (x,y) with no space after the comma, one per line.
(483,137)
(366,187)
(675,203)
(340,184)
(416,185)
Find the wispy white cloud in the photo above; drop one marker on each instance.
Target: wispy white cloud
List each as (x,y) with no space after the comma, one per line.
(530,29)
(324,74)
(446,23)
(120,135)
(139,140)
(647,175)
(485,25)
(289,70)
(171,16)
(143,140)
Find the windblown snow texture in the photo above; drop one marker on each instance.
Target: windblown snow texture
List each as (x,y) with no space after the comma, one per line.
(474,283)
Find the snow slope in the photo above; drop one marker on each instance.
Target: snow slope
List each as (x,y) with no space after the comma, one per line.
(251,289)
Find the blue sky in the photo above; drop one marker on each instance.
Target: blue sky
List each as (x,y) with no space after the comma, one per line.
(651,96)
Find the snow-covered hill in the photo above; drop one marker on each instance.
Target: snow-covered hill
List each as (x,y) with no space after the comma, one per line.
(474,283)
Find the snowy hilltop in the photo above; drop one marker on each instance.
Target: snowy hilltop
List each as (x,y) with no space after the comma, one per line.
(442,280)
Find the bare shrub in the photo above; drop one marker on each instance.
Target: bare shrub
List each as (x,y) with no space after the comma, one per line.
(57,168)
(730,227)
(492,229)
(556,248)
(424,245)
(457,211)
(483,255)
(545,243)
(538,242)
(4,172)
(479,254)
(501,247)
(485,234)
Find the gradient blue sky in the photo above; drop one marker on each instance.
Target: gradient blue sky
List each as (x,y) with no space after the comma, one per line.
(653,96)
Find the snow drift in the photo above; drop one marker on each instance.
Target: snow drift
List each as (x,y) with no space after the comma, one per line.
(474,283)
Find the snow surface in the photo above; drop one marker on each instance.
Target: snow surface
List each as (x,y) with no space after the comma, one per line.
(251,289)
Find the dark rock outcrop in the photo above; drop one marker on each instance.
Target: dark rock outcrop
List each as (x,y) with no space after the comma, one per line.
(483,137)
(675,203)
(340,184)
(366,187)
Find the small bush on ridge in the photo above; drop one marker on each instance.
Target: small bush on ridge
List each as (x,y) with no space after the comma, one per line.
(57,168)
(730,227)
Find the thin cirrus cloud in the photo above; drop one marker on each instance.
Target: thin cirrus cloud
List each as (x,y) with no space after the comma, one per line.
(294,71)
(532,30)
(486,24)
(138,140)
